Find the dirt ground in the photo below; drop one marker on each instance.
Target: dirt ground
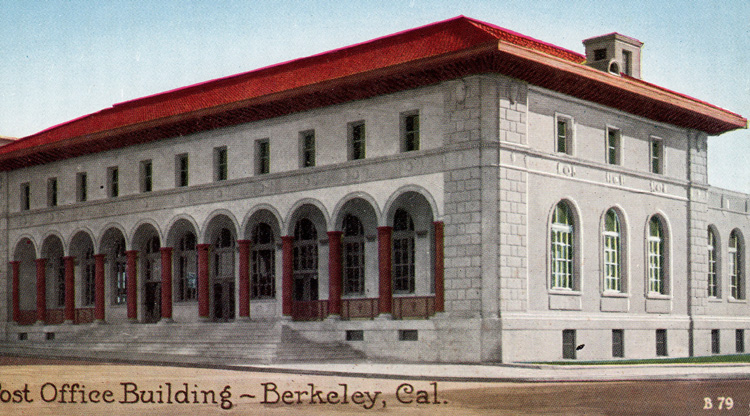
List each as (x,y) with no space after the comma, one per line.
(55,387)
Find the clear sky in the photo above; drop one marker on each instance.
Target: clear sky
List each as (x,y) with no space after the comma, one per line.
(66,58)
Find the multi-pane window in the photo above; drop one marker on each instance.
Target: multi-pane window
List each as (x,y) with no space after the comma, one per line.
(120,274)
(561,250)
(736,278)
(353,242)
(409,131)
(82,187)
(87,270)
(221,164)
(713,277)
(569,344)
(612,252)
(563,134)
(187,268)
(307,148)
(181,168)
(661,342)
(262,157)
(263,278)
(147,176)
(739,340)
(618,343)
(613,146)
(52,192)
(403,252)
(656,256)
(305,256)
(657,155)
(25,196)
(357,140)
(113,182)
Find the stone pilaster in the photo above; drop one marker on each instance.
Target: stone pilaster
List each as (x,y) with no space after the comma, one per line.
(697,296)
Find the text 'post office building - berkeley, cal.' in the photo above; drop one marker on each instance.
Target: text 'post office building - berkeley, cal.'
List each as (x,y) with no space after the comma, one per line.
(456,192)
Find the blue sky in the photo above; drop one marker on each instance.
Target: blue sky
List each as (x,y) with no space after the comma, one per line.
(65,59)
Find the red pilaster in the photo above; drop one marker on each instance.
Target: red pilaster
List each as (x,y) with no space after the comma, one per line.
(41,290)
(385,300)
(70,288)
(131,284)
(334,273)
(287,264)
(166,282)
(99,287)
(439,267)
(203,280)
(15,270)
(244,247)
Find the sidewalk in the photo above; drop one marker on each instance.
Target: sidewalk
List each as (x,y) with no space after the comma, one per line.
(518,372)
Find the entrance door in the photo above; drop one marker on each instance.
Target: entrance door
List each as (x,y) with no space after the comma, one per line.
(152,282)
(152,311)
(224,300)
(223,286)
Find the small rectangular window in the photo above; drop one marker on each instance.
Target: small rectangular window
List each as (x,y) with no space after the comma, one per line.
(739,340)
(147,176)
(221,164)
(82,187)
(25,196)
(307,148)
(262,157)
(569,344)
(613,146)
(52,192)
(113,182)
(181,168)
(355,335)
(657,155)
(408,335)
(564,134)
(600,54)
(618,343)
(410,131)
(627,63)
(356,140)
(661,342)
(715,342)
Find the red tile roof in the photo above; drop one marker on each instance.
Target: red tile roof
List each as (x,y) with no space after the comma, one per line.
(444,50)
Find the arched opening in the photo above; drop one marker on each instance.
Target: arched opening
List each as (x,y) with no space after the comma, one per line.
(24,255)
(52,251)
(147,242)
(305,261)
(223,275)
(263,262)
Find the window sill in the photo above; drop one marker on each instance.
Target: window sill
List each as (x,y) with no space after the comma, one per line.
(564,292)
(615,294)
(733,300)
(658,296)
(714,299)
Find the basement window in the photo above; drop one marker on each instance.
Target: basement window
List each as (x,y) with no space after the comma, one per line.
(408,335)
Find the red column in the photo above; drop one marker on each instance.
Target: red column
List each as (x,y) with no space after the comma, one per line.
(41,290)
(15,269)
(70,288)
(287,265)
(99,287)
(334,273)
(132,284)
(203,280)
(166,282)
(439,268)
(244,246)
(385,301)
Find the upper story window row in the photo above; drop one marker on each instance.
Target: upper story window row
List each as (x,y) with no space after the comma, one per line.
(565,143)
(356,143)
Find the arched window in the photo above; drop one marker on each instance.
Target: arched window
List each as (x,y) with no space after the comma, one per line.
(612,252)
(403,252)
(713,276)
(263,279)
(87,273)
(656,257)
(353,242)
(561,249)
(736,277)
(305,261)
(187,268)
(120,275)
